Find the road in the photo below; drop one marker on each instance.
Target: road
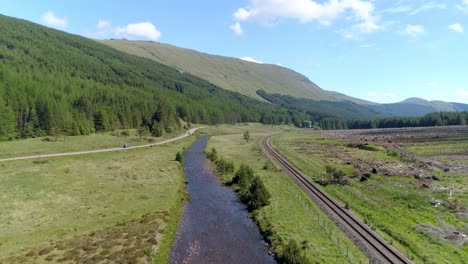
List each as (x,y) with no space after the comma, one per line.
(188,133)
(372,244)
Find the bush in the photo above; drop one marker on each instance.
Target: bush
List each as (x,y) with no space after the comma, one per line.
(179,157)
(364,146)
(292,254)
(125,133)
(243,177)
(336,173)
(259,195)
(268,166)
(224,167)
(213,155)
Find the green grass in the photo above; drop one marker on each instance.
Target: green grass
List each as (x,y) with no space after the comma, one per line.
(440,148)
(59,198)
(48,145)
(394,206)
(291,212)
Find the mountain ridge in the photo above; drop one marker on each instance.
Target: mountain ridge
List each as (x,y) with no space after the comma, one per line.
(249,77)
(230,73)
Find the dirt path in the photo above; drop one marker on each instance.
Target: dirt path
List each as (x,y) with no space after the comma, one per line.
(190,132)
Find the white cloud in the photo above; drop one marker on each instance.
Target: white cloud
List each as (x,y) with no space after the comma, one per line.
(361,12)
(137,30)
(250,59)
(389,95)
(102,24)
(237,29)
(462,92)
(431,84)
(426,7)
(144,30)
(50,19)
(372,94)
(414,30)
(456,27)
(463,6)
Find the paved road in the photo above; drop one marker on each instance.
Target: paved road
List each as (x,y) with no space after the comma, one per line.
(190,132)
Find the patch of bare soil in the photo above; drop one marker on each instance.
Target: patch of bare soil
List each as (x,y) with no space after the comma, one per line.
(135,241)
(398,138)
(446,233)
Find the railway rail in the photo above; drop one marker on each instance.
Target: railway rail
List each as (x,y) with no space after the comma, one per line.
(372,244)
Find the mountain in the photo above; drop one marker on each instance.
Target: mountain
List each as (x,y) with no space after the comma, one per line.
(52,82)
(418,107)
(281,85)
(229,73)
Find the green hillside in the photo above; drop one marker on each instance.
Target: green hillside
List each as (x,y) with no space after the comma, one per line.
(229,73)
(52,82)
(247,78)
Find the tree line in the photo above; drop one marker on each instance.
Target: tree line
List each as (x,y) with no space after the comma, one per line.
(53,82)
(432,119)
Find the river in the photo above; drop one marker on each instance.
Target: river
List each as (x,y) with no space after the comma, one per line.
(215,227)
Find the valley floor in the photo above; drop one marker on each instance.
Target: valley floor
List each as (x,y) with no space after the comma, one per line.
(69,208)
(115,205)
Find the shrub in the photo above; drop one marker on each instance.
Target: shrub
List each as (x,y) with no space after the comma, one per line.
(259,195)
(243,177)
(179,157)
(247,136)
(213,155)
(336,173)
(125,133)
(223,166)
(268,166)
(292,254)
(364,146)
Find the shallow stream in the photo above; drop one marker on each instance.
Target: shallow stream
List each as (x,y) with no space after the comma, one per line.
(215,227)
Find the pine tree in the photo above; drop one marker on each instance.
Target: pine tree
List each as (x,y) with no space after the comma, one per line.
(259,195)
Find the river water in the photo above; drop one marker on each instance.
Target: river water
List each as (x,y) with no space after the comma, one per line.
(214,227)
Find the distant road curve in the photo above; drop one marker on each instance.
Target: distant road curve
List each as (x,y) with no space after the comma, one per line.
(190,132)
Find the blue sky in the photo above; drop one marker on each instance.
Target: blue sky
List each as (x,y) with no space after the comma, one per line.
(383,51)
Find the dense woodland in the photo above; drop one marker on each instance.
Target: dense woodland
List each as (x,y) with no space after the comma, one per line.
(53,82)
(433,119)
(346,115)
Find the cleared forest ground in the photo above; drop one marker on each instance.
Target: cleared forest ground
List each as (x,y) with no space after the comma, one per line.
(408,184)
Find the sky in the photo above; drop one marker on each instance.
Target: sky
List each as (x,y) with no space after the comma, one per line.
(383,51)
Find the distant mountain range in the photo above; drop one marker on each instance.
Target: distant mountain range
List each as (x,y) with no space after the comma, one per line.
(248,77)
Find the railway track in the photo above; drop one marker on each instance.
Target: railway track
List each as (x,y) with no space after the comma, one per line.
(373,245)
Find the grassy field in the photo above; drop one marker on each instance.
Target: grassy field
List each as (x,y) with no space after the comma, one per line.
(68,208)
(449,151)
(292,213)
(48,145)
(398,207)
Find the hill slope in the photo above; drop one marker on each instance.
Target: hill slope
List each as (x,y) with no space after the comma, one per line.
(53,82)
(418,107)
(248,78)
(229,73)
